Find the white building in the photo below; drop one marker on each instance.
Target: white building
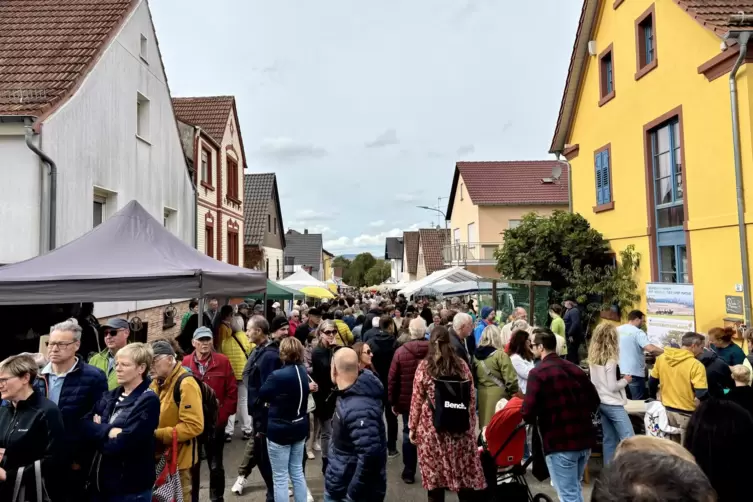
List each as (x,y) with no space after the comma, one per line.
(98,106)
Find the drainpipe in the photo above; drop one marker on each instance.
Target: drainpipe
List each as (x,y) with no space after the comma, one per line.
(569,180)
(743,38)
(53,184)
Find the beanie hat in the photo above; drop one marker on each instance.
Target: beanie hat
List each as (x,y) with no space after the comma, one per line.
(163,348)
(277,323)
(485,311)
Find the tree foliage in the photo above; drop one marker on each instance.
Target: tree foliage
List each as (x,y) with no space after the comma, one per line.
(363,270)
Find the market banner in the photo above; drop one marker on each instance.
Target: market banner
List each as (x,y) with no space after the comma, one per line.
(670,312)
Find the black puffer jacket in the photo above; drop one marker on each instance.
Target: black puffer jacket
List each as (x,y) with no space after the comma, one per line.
(383,346)
(31,431)
(718,374)
(321,368)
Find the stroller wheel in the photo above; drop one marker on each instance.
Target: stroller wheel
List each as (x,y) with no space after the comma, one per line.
(540,497)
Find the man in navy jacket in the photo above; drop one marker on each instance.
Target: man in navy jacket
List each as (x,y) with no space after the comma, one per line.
(357,468)
(75,387)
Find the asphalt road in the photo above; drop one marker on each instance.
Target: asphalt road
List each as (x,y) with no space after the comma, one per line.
(396,490)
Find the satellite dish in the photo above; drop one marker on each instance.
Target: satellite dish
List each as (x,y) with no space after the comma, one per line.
(557,172)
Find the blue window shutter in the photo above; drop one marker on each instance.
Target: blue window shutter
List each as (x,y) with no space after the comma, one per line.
(605,181)
(598,179)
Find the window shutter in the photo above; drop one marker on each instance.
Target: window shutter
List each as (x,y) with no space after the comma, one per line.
(605,181)
(598,179)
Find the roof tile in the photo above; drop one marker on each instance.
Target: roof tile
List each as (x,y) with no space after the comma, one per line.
(305,249)
(47,46)
(211,113)
(257,192)
(515,182)
(410,241)
(432,242)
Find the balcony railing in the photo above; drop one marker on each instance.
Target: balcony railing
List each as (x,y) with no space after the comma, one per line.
(475,253)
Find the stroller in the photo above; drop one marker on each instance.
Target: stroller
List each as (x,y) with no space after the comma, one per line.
(503,443)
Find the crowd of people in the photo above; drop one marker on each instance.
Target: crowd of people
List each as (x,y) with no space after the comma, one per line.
(336,379)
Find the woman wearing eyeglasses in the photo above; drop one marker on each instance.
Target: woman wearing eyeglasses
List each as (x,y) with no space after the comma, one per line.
(364,356)
(31,431)
(321,373)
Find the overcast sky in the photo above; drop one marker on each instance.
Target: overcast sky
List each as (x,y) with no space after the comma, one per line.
(362,108)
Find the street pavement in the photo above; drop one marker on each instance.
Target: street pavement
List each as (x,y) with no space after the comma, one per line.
(396,490)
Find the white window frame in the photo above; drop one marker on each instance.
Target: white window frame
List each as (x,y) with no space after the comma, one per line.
(143,117)
(144,48)
(170,219)
(109,200)
(513,223)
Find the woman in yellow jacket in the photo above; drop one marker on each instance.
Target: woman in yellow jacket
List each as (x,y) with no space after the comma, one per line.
(187,419)
(234,344)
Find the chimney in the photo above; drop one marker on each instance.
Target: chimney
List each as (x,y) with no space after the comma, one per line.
(305,230)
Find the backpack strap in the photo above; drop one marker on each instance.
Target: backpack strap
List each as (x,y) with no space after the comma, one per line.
(176,389)
(493,378)
(240,345)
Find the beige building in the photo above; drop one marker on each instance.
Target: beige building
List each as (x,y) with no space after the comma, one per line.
(212,138)
(487,198)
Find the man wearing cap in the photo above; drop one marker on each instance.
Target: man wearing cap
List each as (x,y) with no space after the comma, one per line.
(302,331)
(186,417)
(116,337)
(215,370)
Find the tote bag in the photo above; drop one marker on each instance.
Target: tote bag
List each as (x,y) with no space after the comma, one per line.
(311,404)
(19,490)
(167,488)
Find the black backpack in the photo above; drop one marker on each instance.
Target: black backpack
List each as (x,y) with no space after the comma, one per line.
(210,405)
(451,409)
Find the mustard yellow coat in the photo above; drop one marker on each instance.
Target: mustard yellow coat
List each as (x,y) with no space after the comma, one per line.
(188,421)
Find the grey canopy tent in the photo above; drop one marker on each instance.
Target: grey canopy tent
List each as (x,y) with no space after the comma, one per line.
(131,256)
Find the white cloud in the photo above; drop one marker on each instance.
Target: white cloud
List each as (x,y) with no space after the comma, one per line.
(406,197)
(307,215)
(366,241)
(388,137)
(377,224)
(465,150)
(287,149)
(300,226)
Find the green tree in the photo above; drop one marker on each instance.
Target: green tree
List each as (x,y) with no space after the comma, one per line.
(358,268)
(377,274)
(344,264)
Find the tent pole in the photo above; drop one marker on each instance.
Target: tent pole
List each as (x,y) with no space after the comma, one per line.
(200,320)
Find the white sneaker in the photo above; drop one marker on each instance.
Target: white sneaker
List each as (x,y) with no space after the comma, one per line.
(317,446)
(310,455)
(290,492)
(239,485)
(309,497)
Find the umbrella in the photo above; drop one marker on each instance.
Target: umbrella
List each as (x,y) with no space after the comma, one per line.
(316,292)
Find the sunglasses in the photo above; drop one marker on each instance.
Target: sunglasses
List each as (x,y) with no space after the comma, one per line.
(329,332)
(367,352)
(111,332)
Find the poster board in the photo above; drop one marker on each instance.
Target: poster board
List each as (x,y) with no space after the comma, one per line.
(670,312)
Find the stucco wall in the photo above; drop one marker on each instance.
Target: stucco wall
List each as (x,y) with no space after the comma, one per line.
(463,212)
(275,256)
(496,219)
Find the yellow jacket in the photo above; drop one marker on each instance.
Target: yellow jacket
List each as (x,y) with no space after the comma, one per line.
(232,349)
(188,421)
(345,336)
(680,374)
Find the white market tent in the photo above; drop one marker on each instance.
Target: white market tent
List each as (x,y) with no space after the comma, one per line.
(450,275)
(460,288)
(302,279)
(131,256)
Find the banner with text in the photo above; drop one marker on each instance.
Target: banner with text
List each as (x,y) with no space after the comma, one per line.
(670,312)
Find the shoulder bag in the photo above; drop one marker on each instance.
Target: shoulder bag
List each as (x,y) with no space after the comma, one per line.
(494,379)
(239,345)
(311,405)
(167,488)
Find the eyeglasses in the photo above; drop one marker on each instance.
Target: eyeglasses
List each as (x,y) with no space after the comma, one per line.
(4,381)
(112,332)
(367,352)
(59,345)
(329,332)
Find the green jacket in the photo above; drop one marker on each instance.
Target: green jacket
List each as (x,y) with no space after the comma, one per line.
(558,326)
(500,366)
(101,360)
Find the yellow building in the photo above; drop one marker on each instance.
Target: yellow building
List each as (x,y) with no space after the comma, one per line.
(645,122)
(487,198)
(327,258)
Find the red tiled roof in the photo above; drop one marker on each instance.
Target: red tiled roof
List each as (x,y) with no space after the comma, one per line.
(211,113)
(410,240)
(510,183)
(711,14)
(432,242)
(47,47)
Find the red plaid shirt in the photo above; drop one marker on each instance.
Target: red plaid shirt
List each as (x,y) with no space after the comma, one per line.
(560,398)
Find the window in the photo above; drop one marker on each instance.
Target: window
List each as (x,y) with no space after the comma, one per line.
(472,232)
(274,227)
(209,239)
(278,269)
(206,166)
(603,176)
(170,219)
(606,76)
(232,247)
(513,223)
(645,43)
(232,178)
(142,116)
(269,223)
(99,210)
(666,165)
(143,47)
(456,236)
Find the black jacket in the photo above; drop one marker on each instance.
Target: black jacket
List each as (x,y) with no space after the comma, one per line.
(383,346)
(31,431)
(367,323)
(463,350)
(125,464)
(262,362)
(427,315)
(573,325)
(718,374)
(742,396)
(321,367)
(286,391)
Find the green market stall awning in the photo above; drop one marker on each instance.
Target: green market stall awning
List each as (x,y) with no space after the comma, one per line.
(277,292)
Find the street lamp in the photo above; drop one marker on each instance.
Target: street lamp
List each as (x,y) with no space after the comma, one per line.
(437,211)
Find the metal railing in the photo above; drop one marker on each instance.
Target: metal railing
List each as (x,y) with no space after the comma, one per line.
(470,252)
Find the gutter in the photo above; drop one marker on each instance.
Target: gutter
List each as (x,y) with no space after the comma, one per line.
(742,38)
(52,224)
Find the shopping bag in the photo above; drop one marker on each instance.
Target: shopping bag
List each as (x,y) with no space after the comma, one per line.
(19,490)
(167,488)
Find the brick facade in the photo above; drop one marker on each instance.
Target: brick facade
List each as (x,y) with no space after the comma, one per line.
(153,317)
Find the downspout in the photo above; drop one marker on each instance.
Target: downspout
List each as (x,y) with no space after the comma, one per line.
(569,180)
(53,184)
(743,39)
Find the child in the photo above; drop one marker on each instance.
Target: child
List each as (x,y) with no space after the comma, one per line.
(741,393)
(656,421)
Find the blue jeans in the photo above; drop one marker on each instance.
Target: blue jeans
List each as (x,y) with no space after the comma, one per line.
(637,388)
(410,455)
(616,426)
(566,469)
(287,461)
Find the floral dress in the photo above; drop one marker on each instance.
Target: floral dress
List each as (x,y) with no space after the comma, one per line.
(446,461)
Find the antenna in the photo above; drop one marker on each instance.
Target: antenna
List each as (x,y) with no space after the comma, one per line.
(557,171)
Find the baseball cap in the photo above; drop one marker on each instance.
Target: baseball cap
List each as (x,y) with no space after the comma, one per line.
(117,323)
(202,332)
(276,305)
